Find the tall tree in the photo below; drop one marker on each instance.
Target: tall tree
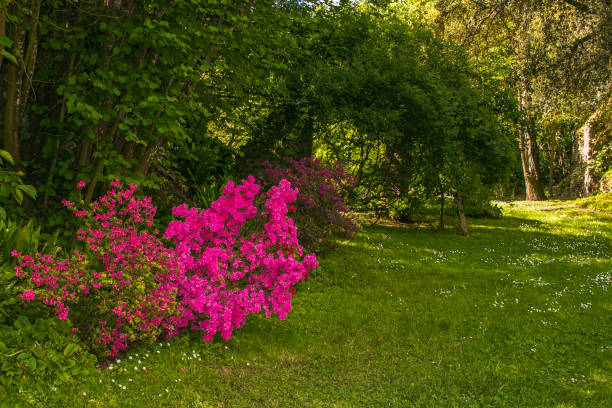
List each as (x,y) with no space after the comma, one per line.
(555,48)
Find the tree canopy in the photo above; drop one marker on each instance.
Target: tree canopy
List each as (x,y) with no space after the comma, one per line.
(419,99)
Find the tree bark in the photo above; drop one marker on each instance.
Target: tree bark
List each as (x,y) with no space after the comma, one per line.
(441,226)
(551,162)
(581,182)
(30,56)
(84,154)
(462,221)
(2,32)
(530,157)
(13,96)
(147,154)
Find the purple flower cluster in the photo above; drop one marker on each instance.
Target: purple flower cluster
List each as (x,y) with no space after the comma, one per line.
(320,211)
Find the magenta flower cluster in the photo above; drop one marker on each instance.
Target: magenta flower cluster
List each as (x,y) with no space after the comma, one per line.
(236,258)
(320,208)
(241,256)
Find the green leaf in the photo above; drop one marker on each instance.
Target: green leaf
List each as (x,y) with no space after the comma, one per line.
(32,363)
(71,349)
(22,322)
(5,41)
(29,190)
(18,196)
(6,156)
(9,56)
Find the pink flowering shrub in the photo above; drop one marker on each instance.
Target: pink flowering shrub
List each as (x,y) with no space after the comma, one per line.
(122,286)
(320,211)
(240,256)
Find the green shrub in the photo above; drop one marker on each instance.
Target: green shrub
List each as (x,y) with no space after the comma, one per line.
(37,351)
(11,184)
(40,353)
(24,238)
(481,209)
(605,184)
(600,202)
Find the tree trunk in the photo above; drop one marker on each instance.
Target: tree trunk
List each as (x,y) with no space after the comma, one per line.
(551,163)
(13,95)
(100,162)
(147,154)
(462,222)
(84,154)
(2,32)
(441,226)
(581,182)
(305,142)
(534,191)
(30,60)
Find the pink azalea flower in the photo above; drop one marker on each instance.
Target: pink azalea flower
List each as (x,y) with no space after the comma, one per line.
(27,295)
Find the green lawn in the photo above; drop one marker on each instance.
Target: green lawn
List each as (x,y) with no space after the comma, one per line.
(519,314)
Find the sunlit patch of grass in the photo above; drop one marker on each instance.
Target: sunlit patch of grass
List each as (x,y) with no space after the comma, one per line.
(599,202)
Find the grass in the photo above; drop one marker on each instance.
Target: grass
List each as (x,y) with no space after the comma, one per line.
(517,315)
(601,202)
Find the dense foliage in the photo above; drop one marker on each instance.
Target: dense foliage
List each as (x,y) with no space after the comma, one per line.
(180,96)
